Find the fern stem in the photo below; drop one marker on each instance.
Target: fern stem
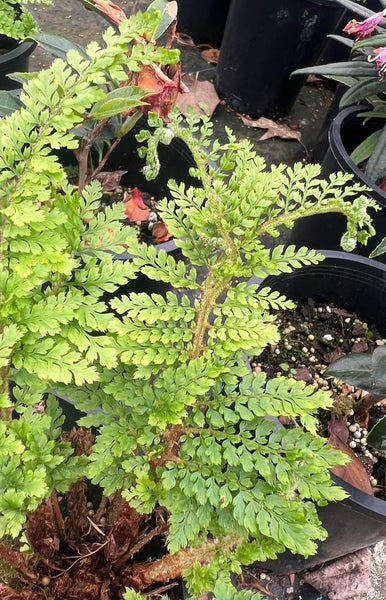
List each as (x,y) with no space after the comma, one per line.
(210,292)
(206,180)
(143,575)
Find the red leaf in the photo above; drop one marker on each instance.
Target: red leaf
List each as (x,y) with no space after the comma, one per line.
(352,472)
(135,209)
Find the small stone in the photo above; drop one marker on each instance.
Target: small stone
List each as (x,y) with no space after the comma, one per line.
(45,581)
(263,575)
(90,505)
(357,435)
(353,428)
(328,337)
(91,513)
(290,590)
(352,444)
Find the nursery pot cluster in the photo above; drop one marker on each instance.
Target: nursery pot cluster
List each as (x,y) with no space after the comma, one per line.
(263,43)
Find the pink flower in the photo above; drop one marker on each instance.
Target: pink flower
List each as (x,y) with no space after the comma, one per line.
(380,61)
(364,28)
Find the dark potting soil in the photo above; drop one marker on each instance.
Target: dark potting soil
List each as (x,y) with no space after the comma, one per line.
(312,337)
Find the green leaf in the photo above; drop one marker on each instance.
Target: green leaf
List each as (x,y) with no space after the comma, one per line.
(57,45)
(376,41)
(361,90)
(9,103)
(352,68)
(166,18)
(365,149)
(366,371)
(376,165)
(118,101)
(380,249)
(377,436)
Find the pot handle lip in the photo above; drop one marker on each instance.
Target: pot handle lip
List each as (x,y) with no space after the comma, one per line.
(348,257)
(361,499)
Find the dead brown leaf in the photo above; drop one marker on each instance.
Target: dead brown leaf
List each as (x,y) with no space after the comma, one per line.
(183,39)
(109,180)
(303,374)
(202,97)
(361,346)
(334,355)
(273,129)
(208,53)
(352,472)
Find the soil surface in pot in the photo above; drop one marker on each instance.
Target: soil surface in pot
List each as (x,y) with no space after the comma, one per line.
(312,337)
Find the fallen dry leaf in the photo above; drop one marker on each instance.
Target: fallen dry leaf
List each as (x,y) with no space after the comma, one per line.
(109,180)
(135,209)
(303,374)
(273,129)
(184,39)
(353,472)
(160,232)
(208,53)
(202,97)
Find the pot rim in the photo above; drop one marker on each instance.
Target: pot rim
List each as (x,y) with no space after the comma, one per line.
(24,48)
(337,146)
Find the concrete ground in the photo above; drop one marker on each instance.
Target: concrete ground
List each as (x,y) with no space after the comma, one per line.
(69,18)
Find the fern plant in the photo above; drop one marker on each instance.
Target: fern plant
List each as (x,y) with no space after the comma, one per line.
(183,432)
(52,321)
(15,21)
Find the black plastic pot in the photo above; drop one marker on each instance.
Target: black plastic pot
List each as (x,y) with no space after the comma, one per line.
(325,231)
(359,285)
(15,59)
(263,43)
(203,20)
